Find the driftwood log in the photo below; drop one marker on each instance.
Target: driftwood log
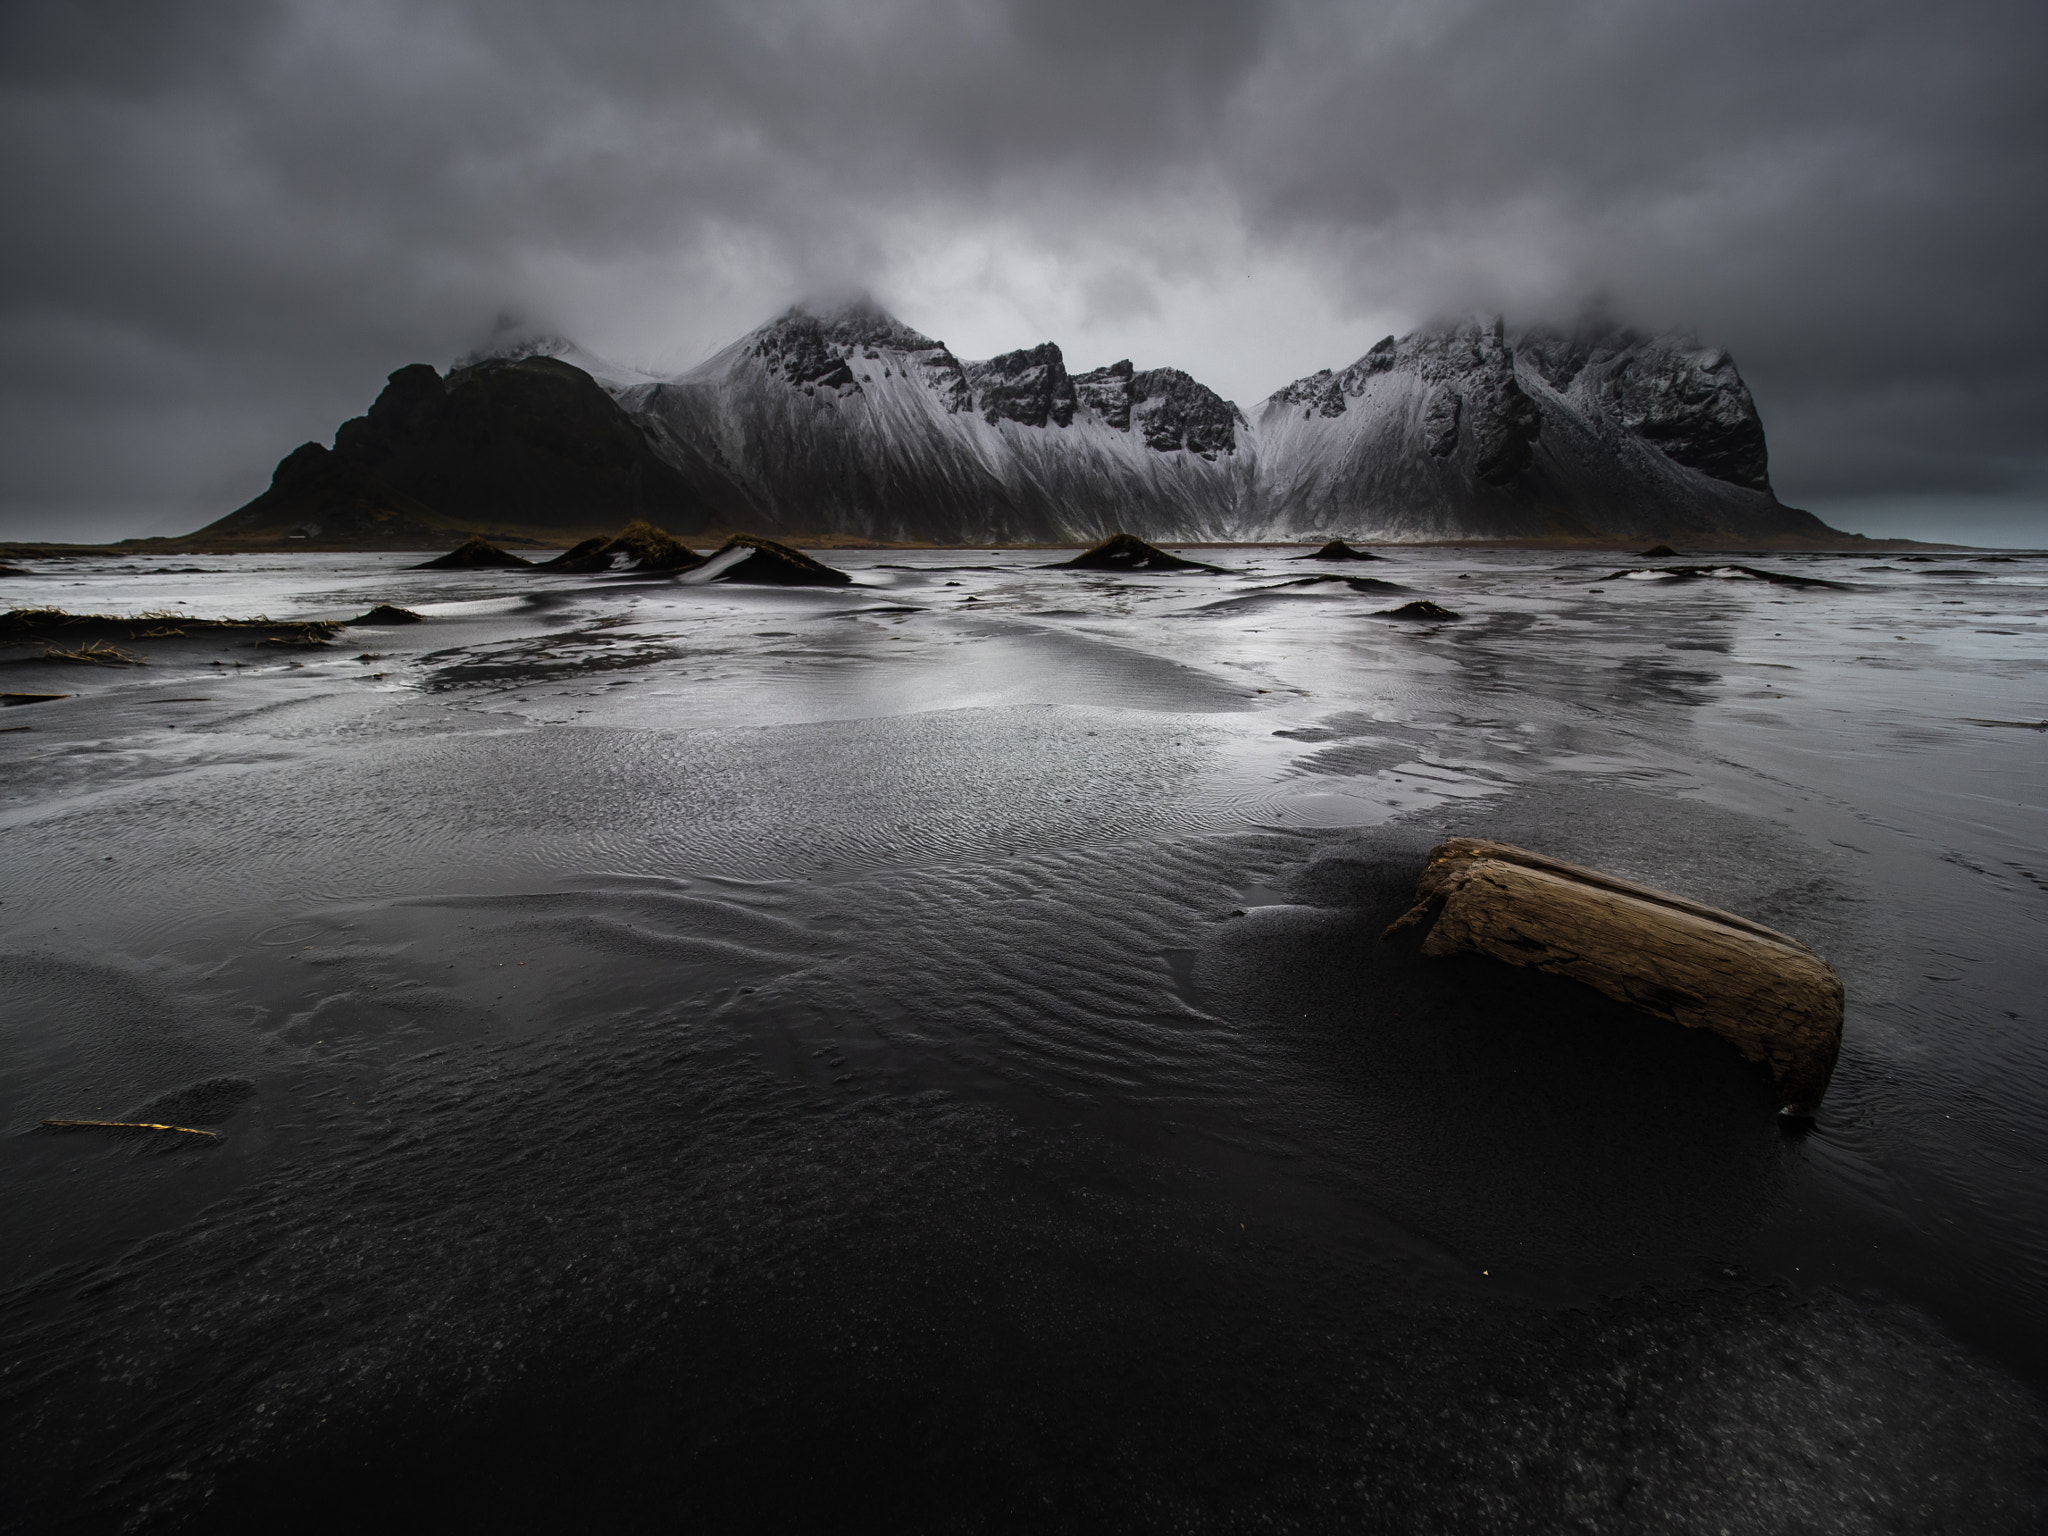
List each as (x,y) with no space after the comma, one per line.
(1775,999)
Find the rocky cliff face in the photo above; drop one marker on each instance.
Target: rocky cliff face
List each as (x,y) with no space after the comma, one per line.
(846,421)
(1468,431)
(1174,412)
(1031,387)
(1472,396)
(1685,399)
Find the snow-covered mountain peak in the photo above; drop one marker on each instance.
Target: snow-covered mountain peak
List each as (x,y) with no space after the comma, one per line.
(613,376)
(851,320)
(838,346)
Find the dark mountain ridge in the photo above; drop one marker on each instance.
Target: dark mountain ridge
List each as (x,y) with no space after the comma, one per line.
(846,422)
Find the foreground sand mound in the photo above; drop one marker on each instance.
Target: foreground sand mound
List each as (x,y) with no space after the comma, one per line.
(1127,552)
(1355,583)
(649,548)
(475,553)
(1726,573)
(1337,549)
(776,565)
(590,555)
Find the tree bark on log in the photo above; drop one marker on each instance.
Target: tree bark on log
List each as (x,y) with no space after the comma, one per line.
(1776,1000)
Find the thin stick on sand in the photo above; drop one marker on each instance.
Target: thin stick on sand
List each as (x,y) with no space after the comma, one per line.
(127,1125)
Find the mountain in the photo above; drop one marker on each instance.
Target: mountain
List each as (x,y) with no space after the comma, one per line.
(850,422)
(315,493)
(1465,432)
(842,420)
(516,448)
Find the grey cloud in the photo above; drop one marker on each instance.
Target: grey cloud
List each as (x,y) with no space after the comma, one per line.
(1119,291)
(233,218)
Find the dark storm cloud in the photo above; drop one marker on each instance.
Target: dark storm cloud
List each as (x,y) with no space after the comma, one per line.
(231,219)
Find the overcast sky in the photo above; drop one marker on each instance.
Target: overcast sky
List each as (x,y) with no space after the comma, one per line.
(229,220)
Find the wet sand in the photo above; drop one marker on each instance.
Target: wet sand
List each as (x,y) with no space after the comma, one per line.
(866,1057)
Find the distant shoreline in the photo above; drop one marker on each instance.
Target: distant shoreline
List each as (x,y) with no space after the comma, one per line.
(37,550)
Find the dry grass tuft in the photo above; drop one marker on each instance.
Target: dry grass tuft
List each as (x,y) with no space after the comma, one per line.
(97,653)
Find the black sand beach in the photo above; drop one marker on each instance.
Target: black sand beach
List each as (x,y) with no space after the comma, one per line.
(919,1055)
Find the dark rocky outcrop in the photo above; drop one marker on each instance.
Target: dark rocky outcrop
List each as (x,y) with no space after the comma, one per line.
(1166,407)
(1337,549)
(1440,421)
(1422,608)
(1320,394)
(1031,387)
(1504,421)
(1107,392)
(475,553)
(799,353)
(1475,396)
(650,549)
(1173,411)
(776,565)
(1693,406)
(1125,552)
(1660,552)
